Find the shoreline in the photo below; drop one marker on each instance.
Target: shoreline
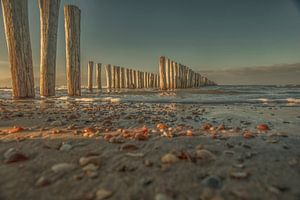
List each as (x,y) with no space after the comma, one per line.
(142,150)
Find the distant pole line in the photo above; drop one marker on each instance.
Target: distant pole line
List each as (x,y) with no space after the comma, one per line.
(174,75)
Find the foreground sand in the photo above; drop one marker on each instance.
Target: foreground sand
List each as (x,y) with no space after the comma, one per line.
(99,150)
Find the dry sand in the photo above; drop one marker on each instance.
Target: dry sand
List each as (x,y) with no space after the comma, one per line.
(97,150)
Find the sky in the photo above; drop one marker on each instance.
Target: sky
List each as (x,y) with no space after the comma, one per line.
(213,37)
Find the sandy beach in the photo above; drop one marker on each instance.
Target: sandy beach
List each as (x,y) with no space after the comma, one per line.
(68,149)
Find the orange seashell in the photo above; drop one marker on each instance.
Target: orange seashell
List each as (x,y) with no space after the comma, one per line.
(262,127)
(207,126)
(189,133)
(107,137)
(248,134)
(161,126)
(145,130)
(16,129)
(89,130)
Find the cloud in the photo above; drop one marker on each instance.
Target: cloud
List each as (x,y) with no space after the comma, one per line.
(260,75)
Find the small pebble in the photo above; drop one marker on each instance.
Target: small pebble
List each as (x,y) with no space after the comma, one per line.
(161,196)
(65,147)
(169,158)
(62,167)
(213,182)
(239,175)
(103,194)
(205,155)
(90,160)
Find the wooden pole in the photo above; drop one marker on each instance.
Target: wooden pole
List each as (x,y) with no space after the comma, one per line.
(108,76)
(142,79)
(176,75)
(15,17)
(126,78)
(162,73)
(172,69)
(49,12)
(145,79)
(118,77)
(72,31)
(90,75)
(122,77)
(130,78)
(180,76)
(138,79)
(113,70)
(134,79)
(168,64)
(98,76)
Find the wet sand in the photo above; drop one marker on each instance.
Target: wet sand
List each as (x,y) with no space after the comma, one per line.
(62,149)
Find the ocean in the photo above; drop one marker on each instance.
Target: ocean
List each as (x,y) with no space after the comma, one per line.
(227,94)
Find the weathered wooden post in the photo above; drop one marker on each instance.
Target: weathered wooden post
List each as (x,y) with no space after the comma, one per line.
(176,75)
(134,78)
(185,76)
(49,12)
(98,76)
(122,77)
(172,75)
(142,79)
(130,78)
(137,79)
(168,64)
(152,80)
(72,31)
(118,77)
(113,70)
(145,79)
(108,76)
(162,73)
(180,76)
(15,17)
(90,75)
(126,78)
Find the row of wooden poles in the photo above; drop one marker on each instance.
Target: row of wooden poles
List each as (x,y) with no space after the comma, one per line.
(119,77)
(16,24)
(174,75)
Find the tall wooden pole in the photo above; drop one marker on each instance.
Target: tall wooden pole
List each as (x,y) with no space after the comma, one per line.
(90,75)
(168,77)
(118,77)
(162,73)
(15,17)
(122,77)
(72,31)
(172,80)
(49,12)
(145,79)
(130,79)
(137,79)
(175,75)
(98,75)
(113,70)
(108,76)
(126,78)
(134,79)
(142,79)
